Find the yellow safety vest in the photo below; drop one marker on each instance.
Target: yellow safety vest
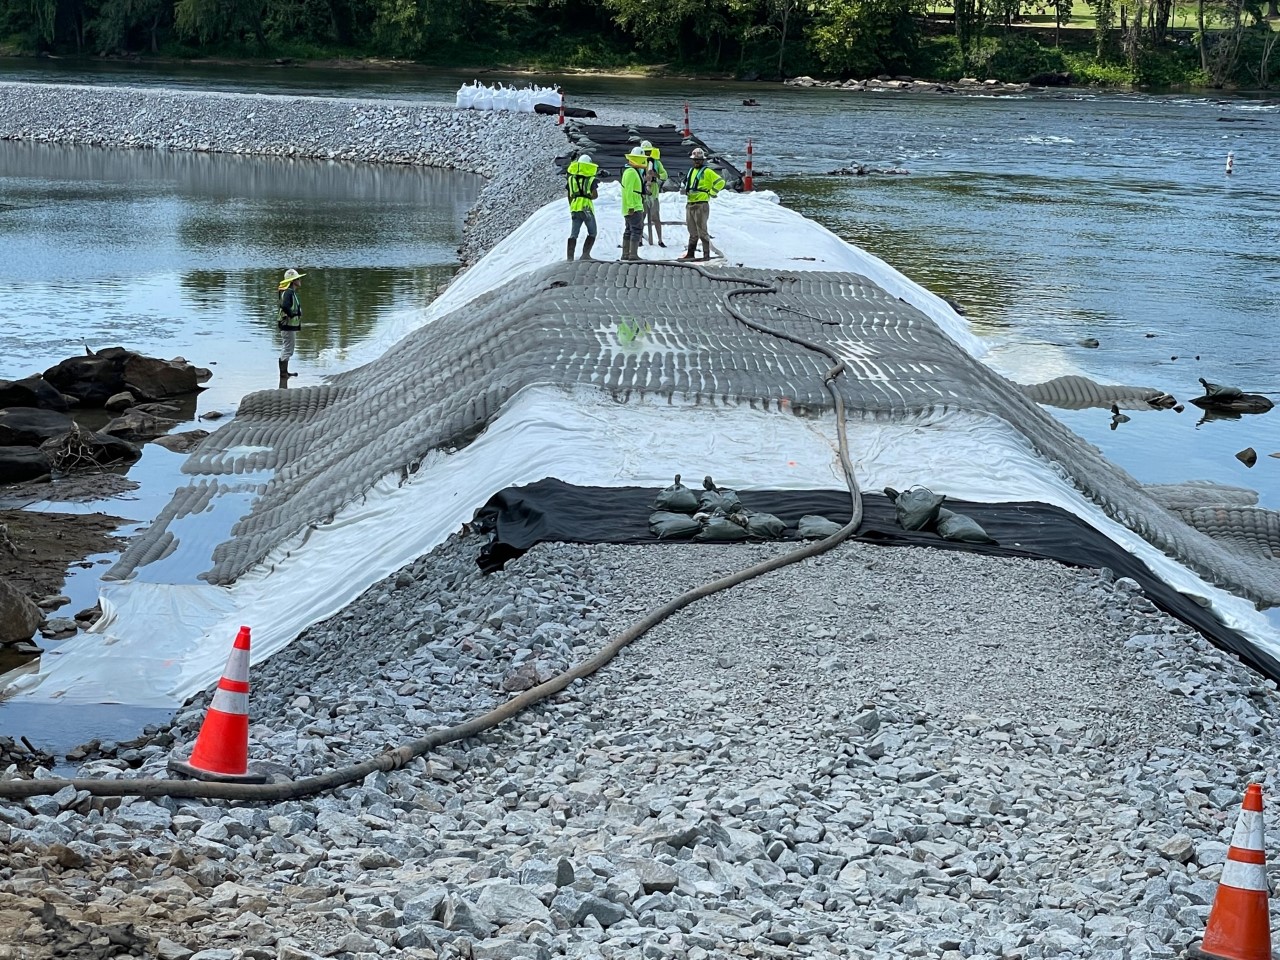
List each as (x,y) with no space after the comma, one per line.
(581,181)
(702,184)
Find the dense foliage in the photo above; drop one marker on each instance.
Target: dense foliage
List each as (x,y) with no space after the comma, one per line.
(1133,42)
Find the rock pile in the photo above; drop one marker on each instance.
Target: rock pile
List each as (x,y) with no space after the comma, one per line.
(907,84)
(876,753)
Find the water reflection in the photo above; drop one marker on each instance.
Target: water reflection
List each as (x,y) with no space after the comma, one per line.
(226,176)
(180,254)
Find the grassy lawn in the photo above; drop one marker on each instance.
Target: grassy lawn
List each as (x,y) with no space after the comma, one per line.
(1039,14)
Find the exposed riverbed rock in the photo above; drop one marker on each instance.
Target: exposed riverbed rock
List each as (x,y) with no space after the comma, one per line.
(909,85)
(32,391)
(20,464)
(137,426)
(98,378)
(31,426)
(19,617)
(81,449)
(183,442)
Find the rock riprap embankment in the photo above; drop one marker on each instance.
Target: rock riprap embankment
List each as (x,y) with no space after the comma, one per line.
(509,149)
(879,753)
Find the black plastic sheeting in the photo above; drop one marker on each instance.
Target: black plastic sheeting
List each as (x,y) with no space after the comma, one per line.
(552,511)
(615,142)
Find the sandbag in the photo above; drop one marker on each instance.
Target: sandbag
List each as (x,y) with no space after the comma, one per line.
(721,528)
(917,508)
(719,501)
(813,527)
(956,526)
(676,498)
(765,526)
(672,526)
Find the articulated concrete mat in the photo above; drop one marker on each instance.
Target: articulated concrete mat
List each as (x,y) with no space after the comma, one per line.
(633,331)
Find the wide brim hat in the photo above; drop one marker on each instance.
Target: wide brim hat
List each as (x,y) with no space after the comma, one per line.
(290,275)
(637,157)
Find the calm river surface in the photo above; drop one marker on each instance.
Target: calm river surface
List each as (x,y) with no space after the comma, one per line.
(1051,219)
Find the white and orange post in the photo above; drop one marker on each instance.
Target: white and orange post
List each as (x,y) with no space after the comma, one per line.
(747,180)
(1239,926)
(560,121)
(686,131)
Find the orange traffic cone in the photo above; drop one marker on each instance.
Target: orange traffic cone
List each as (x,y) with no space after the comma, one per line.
(1239,925)
(222,749)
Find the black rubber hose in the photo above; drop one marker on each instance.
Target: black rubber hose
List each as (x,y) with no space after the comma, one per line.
(396,758)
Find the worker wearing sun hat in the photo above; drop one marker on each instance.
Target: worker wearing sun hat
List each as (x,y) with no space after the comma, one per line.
(700,185)
(633,202)
(290,319)
(655,176)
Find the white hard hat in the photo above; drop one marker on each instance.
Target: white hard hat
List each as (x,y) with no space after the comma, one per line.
(645,145)
(637,152)
(585,158)
(698,154)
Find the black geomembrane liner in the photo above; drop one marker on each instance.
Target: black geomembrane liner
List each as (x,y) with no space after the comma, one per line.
(553,511)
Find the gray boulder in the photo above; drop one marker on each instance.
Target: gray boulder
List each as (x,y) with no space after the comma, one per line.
(31,426)
(460,915)
(19,464)
(19,617)
(121,401)
(136,426)
(32,391)
(505,903)
(182,442)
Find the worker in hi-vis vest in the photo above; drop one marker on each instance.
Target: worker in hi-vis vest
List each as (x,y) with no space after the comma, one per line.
(633,202)
(581,187)
(700,185)
(655,175)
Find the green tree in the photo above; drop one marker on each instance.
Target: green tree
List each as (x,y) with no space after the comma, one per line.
(867,37)
(971,24)
(1104,12)
(222,21)
(117,21)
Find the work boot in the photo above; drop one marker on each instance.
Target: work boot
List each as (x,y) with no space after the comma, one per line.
(586,248)
(570,246)
(688,254)
(284,370)
(706,250)
(629,249)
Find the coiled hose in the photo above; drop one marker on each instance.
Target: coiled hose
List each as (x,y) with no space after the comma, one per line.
(400,756)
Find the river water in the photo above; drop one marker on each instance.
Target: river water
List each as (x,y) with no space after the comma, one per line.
(1051,219)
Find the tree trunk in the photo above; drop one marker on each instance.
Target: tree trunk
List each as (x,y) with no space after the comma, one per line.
(1204,56)
(782,43)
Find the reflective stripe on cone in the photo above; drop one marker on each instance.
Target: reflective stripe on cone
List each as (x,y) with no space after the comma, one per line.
(1239,926)
(222,748)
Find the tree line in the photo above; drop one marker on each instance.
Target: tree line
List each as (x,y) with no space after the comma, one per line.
(1129,40)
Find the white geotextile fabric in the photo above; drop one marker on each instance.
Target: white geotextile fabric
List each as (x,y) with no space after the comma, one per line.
(751,229)
(158,644)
